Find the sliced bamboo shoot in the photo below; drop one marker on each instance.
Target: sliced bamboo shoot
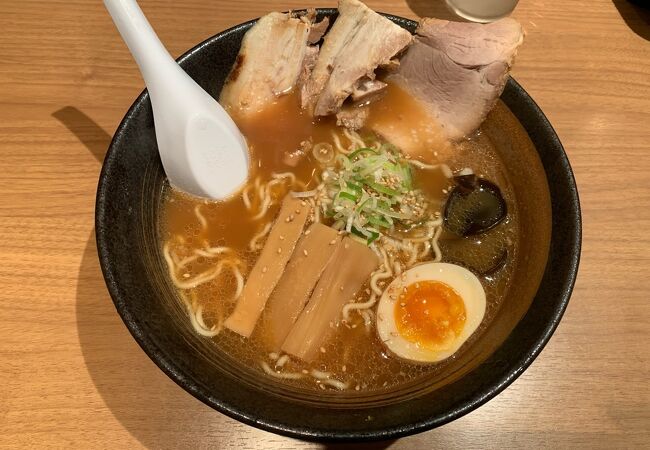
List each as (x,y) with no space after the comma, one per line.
(313,252)
(348,270)
(268,269)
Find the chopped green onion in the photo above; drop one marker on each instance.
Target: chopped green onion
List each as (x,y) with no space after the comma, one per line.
(360,232)
(354,186)
(373,237)
(379,221)
(383,189)
(362,150)
(367,189)
(348,196)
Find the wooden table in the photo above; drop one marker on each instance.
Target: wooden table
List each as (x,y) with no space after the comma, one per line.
(72,376)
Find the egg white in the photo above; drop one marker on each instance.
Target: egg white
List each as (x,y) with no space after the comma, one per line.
(460,280)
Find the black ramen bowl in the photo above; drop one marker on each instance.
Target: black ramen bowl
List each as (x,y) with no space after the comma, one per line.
(128,204)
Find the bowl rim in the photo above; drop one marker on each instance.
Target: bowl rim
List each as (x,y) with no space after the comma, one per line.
(174,372)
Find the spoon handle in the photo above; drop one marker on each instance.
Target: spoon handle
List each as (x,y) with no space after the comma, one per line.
(152,58)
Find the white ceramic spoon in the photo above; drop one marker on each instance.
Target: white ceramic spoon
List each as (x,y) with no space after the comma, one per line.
(201,148)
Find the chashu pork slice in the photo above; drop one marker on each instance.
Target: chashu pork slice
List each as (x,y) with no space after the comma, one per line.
(458,70)
(270,62)
(359,41)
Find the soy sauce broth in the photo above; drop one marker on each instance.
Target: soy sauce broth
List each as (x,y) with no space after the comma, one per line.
(353,354)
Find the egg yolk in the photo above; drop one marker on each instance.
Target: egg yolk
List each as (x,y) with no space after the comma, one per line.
(430,313)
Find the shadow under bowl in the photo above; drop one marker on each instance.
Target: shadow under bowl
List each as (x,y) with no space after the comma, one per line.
(127,209)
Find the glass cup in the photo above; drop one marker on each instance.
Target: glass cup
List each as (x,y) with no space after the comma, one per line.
(482,10)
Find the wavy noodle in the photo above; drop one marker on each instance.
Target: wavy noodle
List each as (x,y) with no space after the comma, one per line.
(208,275)
(354,138)
(246,197)
(426,248)
(195,313)
(434,245)
(367,316)
(326,378)
(255,243)
(281,375)
(375,278)
(359,306)
(263,192)
(304,194)
(315,209)
(211,252)
(321,377)
(202,220)
(266,204)
(443,167)
(239,278)
(289,175)
(338,144)
(282,360)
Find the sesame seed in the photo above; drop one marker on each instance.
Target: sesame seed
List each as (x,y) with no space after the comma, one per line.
(304,252)
(298,211)
(307,232)
(322,349)
(333,241)
(281,238)
(264,269)
(343,368)
(186,275)
(279,250)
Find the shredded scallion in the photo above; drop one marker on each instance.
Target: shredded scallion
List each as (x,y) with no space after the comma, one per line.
(371,189)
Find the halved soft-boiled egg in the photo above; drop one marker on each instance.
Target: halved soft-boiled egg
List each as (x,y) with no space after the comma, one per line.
(428,312)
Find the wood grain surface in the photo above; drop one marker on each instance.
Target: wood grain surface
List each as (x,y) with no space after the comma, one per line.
(72,376)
